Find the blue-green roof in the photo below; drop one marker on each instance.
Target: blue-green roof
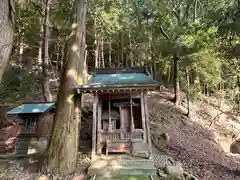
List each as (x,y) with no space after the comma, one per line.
(121,79)
(31,108)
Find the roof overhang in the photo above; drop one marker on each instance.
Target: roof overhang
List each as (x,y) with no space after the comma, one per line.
(150,87)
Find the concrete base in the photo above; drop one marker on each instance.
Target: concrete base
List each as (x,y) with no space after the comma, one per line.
(140,149)
(116,165)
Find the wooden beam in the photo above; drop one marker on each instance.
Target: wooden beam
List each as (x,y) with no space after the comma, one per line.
(99,126)
(119,95)
(147,123)
(137,88)
(94,129)
(143,118)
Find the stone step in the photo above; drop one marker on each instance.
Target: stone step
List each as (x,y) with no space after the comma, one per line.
(118,167)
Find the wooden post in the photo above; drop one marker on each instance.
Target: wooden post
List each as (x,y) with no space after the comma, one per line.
(121,121)
(99,126)
(147,123)
(131,109)
(143,118)
(109,115)
(95,104)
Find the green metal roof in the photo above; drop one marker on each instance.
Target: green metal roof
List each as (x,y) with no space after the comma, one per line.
(120,79)
(31,108)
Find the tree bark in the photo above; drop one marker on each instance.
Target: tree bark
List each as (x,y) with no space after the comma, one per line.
(102,52)
(110,53)
(45,56)
(63,146)
(131,49)
(188,94)
(176,80)
(122,51)
(7,14)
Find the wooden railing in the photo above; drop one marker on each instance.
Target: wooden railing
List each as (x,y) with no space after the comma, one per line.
(121,135)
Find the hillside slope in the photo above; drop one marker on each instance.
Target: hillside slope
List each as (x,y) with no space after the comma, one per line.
(202,150)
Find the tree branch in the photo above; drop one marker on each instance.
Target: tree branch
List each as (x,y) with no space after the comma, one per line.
(164,33)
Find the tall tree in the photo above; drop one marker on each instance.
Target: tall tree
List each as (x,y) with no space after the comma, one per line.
(63,146)
(7,14)
(45,55)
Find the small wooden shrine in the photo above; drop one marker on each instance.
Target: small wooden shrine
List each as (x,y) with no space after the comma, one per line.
(120,113)
(35,121)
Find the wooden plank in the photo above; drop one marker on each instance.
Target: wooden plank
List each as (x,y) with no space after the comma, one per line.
(99,126)
(94,129)
(119,95)
(143,118)
(147,123)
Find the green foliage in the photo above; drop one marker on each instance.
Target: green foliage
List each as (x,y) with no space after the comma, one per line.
(204,36)
(17,86)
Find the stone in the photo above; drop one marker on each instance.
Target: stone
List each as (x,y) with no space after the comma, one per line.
(140,149)
(161,173)
(43,177)
(235,147)
(174,170)
(193,178)
(80,177)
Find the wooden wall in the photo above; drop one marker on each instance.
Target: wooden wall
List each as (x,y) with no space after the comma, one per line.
(44,126)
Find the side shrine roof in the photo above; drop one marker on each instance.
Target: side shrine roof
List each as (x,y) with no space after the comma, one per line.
(31,108)
(110,79)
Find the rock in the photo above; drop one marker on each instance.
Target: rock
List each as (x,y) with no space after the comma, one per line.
(161,173)
(235,147)
(188,176)
(174,170)
(193,178)
(80,177)
(43,177)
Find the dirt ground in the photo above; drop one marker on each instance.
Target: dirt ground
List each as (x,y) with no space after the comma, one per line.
(202,150)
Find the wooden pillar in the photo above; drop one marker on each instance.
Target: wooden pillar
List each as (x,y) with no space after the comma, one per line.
(143,118)
(131,109)
(121,121)
(109,115)
(94,126)
(99,119)
(147,123)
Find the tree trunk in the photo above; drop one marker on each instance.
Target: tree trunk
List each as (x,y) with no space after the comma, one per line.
(188,93)
(110,53)
(102,53)
(131,49)
(122,51)
(45,56)
(63,146)
(85,66)
(118,56)
(7,13)
(195,10)
(96,45)
(176,81)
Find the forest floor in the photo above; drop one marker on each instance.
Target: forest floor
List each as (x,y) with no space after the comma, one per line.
(202,148)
